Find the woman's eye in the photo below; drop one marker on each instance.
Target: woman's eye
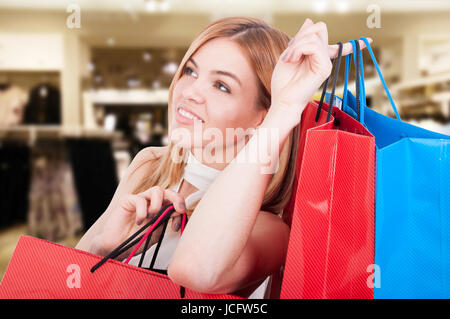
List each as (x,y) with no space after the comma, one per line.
(187,70)
(219,85)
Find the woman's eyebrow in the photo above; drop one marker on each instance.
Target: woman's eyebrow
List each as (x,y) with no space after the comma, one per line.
(231,75)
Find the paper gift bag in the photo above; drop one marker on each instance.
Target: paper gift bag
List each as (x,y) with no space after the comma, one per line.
(412,232)
(42,269)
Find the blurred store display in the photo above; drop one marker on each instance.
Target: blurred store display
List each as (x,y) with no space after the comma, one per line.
(425,97)
(55,179)
(44,105)
(54,212)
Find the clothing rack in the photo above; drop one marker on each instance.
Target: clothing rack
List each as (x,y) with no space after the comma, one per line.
(55,160)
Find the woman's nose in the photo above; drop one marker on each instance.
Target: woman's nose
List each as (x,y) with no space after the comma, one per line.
(193,92)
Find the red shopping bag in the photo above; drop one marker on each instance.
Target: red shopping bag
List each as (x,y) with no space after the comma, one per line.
(40,269)
(331,244)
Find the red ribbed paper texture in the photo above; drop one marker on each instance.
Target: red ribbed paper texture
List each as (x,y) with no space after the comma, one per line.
(38,269)
(331,210)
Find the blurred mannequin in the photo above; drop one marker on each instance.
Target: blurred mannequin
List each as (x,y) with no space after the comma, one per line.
(12,103)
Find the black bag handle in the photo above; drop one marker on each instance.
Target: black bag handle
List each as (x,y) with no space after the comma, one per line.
(127,244)
(147,242)
(155,254)
(152,263)
(333,89)
(123,247)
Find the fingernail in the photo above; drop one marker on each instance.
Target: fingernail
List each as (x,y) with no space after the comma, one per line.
(182,207)
(284,56)
(139,223)
(176,225)
(290,42)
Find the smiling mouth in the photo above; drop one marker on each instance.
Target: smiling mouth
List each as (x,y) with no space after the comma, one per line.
(188,114)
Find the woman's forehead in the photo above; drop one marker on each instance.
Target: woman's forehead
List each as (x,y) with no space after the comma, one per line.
(223,54)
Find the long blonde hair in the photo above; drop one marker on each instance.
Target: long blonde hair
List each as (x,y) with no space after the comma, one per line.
(263,45)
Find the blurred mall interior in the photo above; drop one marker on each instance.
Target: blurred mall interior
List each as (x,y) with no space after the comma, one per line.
(84,86)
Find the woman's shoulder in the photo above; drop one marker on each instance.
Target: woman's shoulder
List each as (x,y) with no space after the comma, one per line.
(144,160)
(150,153)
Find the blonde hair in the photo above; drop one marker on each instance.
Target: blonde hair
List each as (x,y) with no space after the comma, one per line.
(262,45)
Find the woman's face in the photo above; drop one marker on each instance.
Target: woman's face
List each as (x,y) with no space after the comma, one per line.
(218,90)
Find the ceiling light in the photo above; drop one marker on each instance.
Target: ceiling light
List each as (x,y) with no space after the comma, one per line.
(164,6)
(320,6)
(151,6)
(146,56)
(157,5)
(342,6)
(111,42)
(170,68)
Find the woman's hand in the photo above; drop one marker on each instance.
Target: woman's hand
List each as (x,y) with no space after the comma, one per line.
(135,210)
(306,65)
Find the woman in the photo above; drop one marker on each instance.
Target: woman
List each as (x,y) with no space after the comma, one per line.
(232,76)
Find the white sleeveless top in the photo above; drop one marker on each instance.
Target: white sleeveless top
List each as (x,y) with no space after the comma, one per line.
(200,176)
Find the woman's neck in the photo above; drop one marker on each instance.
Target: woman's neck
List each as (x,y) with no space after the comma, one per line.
(221,161)
(200,156)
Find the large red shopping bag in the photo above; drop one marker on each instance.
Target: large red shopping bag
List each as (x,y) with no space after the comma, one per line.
(40,269)
(331,244)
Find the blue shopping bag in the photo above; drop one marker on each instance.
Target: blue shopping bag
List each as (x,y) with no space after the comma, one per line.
(412,217)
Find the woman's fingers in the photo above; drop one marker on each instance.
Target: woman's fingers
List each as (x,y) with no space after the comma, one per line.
(322,61)
(310,30)
(135,204)
(297,48)
(176,223)
(156,200)
(332,49)
(313,46)
(319,29)
(141,209)
(179,205)
(158,197)
(308,22)
(307,31)
(176,199)
(346,48)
